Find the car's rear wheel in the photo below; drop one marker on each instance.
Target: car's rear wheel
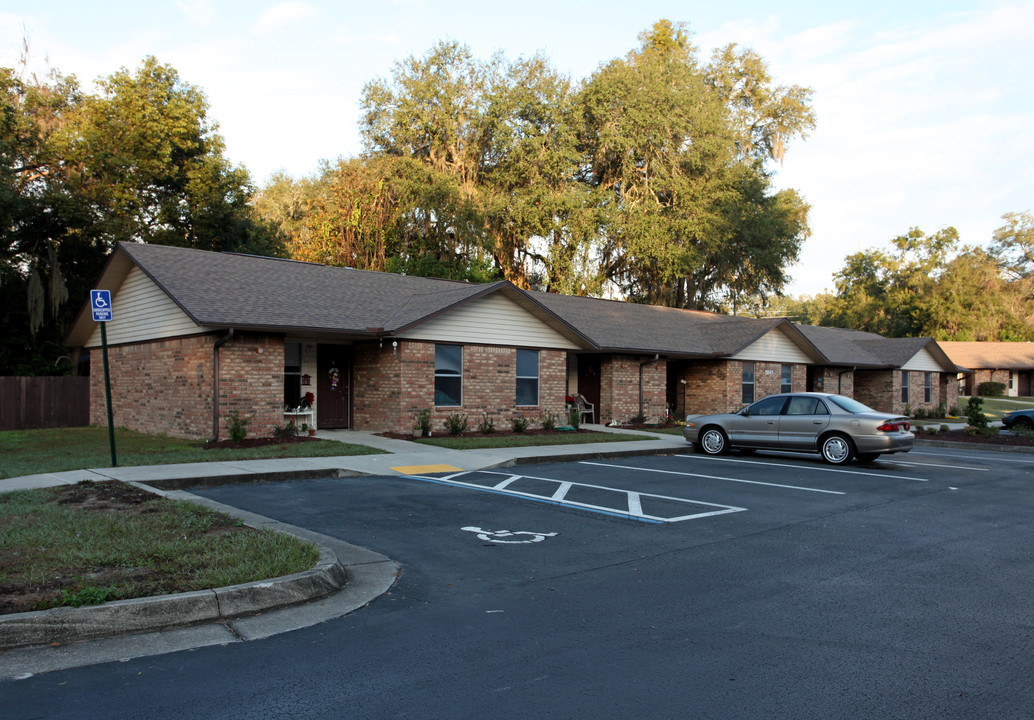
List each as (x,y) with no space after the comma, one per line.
(837,449)
(713,441)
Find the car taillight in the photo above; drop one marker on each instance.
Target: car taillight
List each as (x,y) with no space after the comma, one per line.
(894,426)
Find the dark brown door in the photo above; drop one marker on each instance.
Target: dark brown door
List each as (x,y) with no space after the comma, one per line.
(589,380)
(333,386)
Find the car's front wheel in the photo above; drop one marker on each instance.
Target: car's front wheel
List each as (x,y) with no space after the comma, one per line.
(713,441)
(1023,423)
(837,449)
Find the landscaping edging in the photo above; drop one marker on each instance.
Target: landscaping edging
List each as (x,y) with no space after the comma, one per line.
(993,447)
(124,617)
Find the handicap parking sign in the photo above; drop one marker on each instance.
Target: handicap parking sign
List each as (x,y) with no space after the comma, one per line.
(100,303)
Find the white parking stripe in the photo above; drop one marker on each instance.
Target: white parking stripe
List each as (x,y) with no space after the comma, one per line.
(821,468)
(633,499)
(715,477)
(996,459)
(936,465)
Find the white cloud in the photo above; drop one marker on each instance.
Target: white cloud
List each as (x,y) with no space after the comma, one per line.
(283,14)
(199,12)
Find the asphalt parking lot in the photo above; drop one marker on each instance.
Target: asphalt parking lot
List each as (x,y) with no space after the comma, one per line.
(768,585)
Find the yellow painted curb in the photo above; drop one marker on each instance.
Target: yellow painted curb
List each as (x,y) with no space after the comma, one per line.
(417,469)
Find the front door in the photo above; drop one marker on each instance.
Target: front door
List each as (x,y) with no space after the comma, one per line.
(333,386)
(589,380)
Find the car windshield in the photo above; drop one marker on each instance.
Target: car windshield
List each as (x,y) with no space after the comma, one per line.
(849,404)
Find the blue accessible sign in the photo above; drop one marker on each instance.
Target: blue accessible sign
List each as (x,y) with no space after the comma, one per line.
(100,303)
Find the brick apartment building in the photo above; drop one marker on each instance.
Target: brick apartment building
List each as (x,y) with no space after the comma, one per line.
(197,335)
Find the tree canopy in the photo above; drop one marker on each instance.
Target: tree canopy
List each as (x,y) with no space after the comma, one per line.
(930,285)
(139,161)
(651,177)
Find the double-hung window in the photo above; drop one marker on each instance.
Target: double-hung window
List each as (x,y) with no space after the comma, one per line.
(292,374)
(786,383)
(448,375)
(904,386)
(928,388)
(748,382)
(527,377)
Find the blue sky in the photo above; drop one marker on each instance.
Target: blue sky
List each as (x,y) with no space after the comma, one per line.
(924,108)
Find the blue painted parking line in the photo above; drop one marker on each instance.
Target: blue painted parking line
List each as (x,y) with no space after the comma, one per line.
(615,502)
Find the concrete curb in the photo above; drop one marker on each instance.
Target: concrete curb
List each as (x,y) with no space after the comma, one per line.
(219,605)
(955,444)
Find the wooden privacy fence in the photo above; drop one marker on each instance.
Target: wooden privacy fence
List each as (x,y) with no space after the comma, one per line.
(44,402)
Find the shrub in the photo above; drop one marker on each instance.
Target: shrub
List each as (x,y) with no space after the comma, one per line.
(238,426)
(991,389)
(907,411)
(487,425)
(574,417)
(975,413)
(456,424)
(518,423)
(638,419)
(287,431)
(919,413)
(954,411)
(939,411)
(945,428)
(549,420)
(423,422)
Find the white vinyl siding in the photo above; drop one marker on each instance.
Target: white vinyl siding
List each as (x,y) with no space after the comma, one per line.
(493,320)
(141,311)
(923,360)
(776,347)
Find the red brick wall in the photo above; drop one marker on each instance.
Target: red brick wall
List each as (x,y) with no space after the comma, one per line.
(619,388)
(165,387)
(881,390)
(392,388)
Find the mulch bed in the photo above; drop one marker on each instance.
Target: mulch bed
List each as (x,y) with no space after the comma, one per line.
(258,442)
(496,434)
(961,436)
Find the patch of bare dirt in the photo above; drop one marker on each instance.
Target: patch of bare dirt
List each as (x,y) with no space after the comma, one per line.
(259,442)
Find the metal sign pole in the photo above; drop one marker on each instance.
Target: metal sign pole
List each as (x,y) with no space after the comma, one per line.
(100,305)
(107,394)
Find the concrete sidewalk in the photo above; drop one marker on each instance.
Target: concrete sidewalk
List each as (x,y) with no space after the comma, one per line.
(346,578)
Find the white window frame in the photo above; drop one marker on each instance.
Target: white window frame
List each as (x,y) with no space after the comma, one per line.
(535,377)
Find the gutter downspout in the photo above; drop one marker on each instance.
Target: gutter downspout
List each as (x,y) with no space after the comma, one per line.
(644,363)
(215,383)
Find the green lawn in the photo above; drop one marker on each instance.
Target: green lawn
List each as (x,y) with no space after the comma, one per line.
(92,542)
(29,452)
(994,408)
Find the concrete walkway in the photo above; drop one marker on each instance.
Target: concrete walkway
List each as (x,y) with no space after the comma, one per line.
(398,454)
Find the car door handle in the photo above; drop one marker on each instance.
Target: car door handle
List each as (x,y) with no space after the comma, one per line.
(816,422)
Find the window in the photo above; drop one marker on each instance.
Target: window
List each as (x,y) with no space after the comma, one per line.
(448,375)
(928,388)
(787,382)
(806,406)
(748,382)
(292,374)
(904,386)
(527,377)
(768,406)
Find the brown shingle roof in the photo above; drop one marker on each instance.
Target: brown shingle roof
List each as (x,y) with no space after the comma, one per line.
(220,290)
(991,355)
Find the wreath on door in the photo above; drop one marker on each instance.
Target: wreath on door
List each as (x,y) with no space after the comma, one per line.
(335,377)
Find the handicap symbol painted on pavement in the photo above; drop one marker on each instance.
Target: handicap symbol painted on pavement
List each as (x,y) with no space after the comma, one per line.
(497,536)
